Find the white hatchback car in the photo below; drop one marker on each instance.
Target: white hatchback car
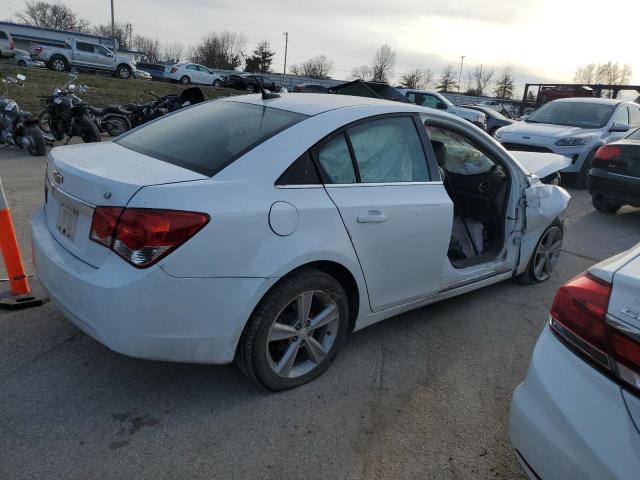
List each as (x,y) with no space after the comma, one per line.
(573,127)
(187,73)
(265,230)
(576,415)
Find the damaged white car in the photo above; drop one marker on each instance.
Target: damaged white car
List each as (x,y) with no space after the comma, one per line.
(266,229)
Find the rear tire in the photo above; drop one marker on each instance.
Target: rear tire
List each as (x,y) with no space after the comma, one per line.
(603,205)
(185,80)
(88,131)
(44,121)
(58,64)
(116,125)
(22,63)
(123,72)
(280,349)
(36,146)
(544,257)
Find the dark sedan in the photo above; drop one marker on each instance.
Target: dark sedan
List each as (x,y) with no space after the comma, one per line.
(249,82)
(309,88)
(495,119)
(614,178)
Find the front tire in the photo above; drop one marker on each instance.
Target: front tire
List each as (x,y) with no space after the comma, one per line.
(603,205)
(22,63)
(88,131)
(217,83)
(295,332)
(545,256)
(58,64)
(36,146)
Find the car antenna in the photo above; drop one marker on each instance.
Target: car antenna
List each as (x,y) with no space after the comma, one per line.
(266,95)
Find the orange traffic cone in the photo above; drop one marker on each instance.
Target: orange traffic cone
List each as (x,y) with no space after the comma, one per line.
(20,294)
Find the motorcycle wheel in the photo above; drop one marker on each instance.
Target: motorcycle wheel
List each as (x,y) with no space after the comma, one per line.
(87,130)
(116,125)
(36,145)
(44,121)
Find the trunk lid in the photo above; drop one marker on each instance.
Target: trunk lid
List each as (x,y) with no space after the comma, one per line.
(627,162)
(81,177)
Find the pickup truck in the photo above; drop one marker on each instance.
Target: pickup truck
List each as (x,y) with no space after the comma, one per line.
(84,56)
(439,101)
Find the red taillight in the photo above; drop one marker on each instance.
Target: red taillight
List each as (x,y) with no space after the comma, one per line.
(579,317)
(37,49)
(174,69)
(142,236)
(604,154)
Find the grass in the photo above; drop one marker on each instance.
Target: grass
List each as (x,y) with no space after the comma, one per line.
(103,90)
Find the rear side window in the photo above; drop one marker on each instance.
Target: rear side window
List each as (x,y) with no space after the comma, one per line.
(207,137)
(389,150)
(335,160)
(84,47)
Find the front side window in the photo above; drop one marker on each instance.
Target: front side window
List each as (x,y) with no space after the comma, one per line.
(389,150)
(456,153)
(207,137)
(335,160)
(621,115)
(102,50)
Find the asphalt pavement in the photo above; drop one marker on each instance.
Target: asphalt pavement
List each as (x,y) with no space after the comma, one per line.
(422,395)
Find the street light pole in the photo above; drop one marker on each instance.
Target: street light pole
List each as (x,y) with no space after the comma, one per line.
(113,26)
(286,44)
(460,74)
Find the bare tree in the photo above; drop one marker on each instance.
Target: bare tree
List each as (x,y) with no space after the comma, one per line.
(150,47)
(52,15)
(480,79)
(219,50)
(586,74)
(171,52)
(418,79)
(504,84)
(123,33)
(319,66)
(447,80)
(363,72)
(383,62)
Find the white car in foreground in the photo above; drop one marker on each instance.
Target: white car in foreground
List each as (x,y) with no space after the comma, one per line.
(438,101)
(265,230)
(573,127)
(576,415)
(188,73)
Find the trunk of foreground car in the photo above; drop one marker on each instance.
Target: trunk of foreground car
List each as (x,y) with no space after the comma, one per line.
(620,158)
(81,177)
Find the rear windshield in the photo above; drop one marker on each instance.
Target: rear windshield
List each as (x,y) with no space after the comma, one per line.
(206,138)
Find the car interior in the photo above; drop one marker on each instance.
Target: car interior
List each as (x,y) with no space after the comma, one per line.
(478,187)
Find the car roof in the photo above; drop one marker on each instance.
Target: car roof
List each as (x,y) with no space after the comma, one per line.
(316,103)
(601,101)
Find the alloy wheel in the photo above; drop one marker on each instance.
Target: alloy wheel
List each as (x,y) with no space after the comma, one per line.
(302,334)
(547,253)
(58,65)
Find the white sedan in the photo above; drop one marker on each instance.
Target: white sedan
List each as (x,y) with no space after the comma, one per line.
(265,230)
(187,73)
(576,415)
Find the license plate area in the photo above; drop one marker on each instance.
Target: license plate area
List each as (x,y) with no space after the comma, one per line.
(67,220)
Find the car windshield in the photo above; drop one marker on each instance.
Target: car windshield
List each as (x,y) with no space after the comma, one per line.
(573,114)
(207,137)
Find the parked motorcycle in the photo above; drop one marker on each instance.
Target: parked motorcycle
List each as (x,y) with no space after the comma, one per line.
(65,114)
(159,106)
(17,127)
(112,119)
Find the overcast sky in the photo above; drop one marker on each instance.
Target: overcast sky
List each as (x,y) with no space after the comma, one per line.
(541,39)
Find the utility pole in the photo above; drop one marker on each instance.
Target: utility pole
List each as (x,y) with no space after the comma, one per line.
(113,27)
(286,44)
(460,74)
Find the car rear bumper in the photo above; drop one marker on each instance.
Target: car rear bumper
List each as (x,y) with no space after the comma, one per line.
(621,188)
(146,313)
(570,422)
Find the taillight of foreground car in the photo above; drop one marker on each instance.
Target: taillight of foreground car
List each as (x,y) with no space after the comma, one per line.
(142,236)
(604,155)
(579,317)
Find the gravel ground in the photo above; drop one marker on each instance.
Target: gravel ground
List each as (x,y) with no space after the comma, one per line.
(422,395)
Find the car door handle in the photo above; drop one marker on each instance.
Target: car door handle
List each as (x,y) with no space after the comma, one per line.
(372,216)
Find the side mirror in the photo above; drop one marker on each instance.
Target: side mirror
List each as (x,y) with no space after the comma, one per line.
(619,127)
(441,106)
